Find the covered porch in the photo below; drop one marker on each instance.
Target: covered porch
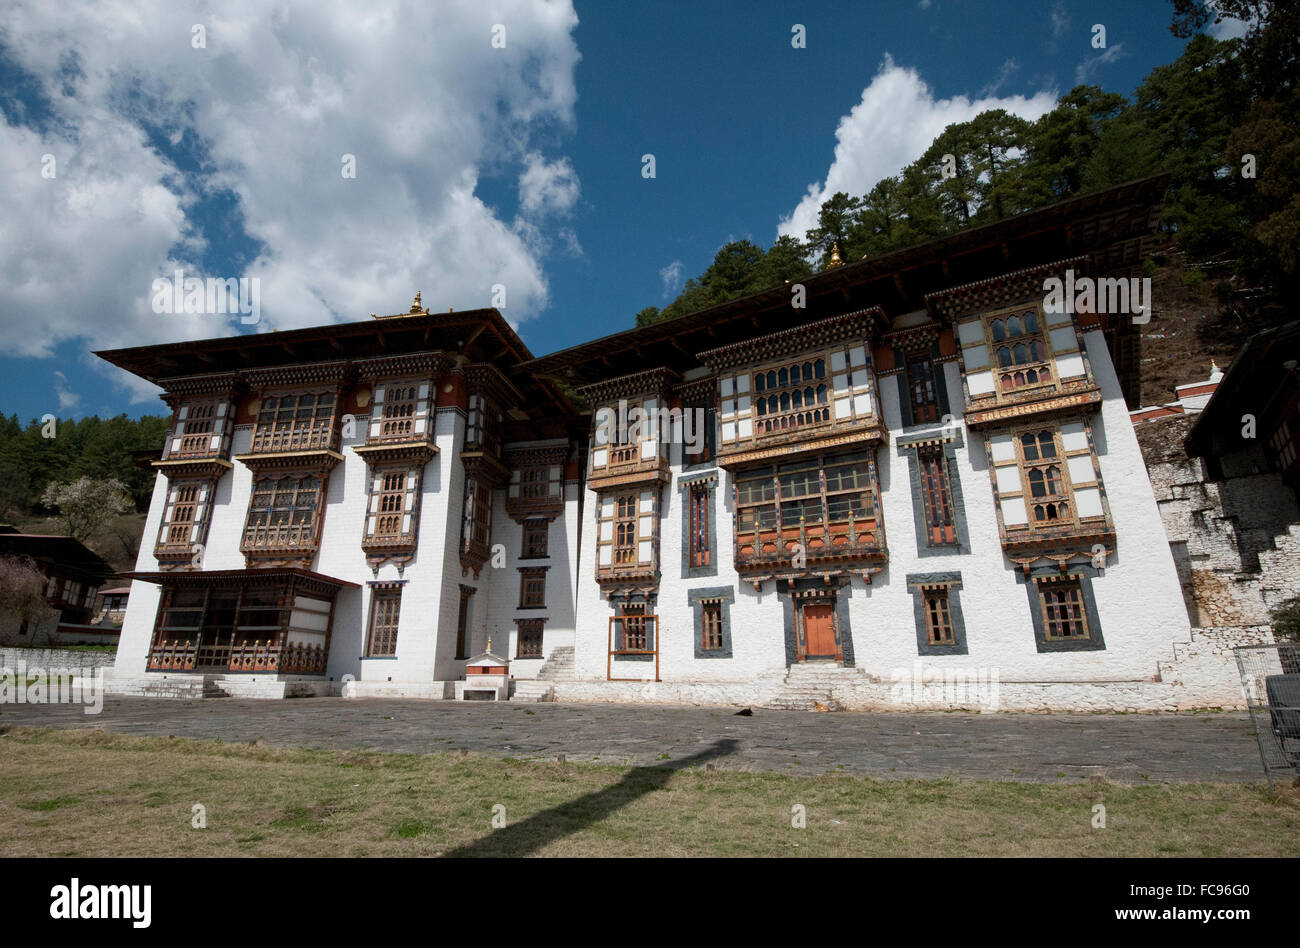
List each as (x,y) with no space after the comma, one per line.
(271,621)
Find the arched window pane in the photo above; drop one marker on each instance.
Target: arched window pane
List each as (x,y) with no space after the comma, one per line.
(999,331)
(1004,356)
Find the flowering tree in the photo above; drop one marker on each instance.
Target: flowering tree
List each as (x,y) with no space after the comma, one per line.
(87,505)
(22,596)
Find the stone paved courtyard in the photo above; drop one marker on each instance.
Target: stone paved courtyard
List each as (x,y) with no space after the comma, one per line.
(1133,748)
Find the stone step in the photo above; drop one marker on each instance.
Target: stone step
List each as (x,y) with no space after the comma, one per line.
(533,691)
(558,665)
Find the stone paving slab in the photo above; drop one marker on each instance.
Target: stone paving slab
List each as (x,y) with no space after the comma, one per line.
(1131,748)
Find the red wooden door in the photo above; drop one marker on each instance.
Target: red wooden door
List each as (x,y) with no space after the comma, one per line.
(819,634)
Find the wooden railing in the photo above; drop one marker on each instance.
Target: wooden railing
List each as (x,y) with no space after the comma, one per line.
(627,454)
(292,437)
(1014,378)
(762,546)
(256,656)
(279,536)
(792,420)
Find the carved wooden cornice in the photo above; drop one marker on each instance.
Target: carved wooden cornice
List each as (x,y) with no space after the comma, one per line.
(332,374)
(651,471)
(185,468)
(999,290)
(657,381)
(856,326)
(486,379)
(915,339)
(412,364)
(485,468)
(321,460)
(697,389)
(519,456)
(396,452)
(1081,395)
(379,550)
(226,385)
(867,436)
(1027,548)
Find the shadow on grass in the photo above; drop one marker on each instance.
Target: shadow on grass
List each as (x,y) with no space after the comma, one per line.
(541,829)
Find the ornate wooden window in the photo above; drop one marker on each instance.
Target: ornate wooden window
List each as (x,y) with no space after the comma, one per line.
(462,623)
(185,519)
(529,640)
(385,607)
(791,396)
(200,422)
(401,403)
(698,551)
(296,422)
(534,482)
(711,623)
(938,617)
(478,515)
(282,513)
(813,492)
(922,389)
(1019,350)
(625,517)
(532,588)
(1064,616)
(536,539)
(394,493)
(1043,466)
(936,495)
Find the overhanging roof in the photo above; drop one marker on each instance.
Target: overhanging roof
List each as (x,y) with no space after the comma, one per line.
(1102,225)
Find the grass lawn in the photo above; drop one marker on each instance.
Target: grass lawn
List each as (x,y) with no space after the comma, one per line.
(90,793)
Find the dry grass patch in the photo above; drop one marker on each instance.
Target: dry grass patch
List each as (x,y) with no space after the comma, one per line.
(91,793)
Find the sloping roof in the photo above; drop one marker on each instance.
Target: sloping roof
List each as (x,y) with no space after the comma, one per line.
(1106,225)
(65,552)
(1247,387)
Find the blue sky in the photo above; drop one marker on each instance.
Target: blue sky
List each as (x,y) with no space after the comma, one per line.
(476,165)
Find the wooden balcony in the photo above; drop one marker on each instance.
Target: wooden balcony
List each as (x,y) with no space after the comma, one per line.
(1031,391)
(840,542)
(626,467)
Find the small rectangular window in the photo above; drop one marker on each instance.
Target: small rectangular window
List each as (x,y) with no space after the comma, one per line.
(921,387)
(384,609)
(699,540)
(938,617)
(529,639)
(1064,615)
(711,626)
(936,497)
(535,539)
(532,589)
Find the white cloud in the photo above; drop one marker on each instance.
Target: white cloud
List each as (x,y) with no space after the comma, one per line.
(547,188)
(671,276)
(67,397)
(1060,20)
(891,127)
(1084,71)
(280,94)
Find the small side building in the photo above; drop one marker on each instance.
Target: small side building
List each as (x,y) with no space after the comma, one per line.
(1226,481)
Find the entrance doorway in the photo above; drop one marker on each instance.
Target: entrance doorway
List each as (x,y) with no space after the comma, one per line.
(819,631)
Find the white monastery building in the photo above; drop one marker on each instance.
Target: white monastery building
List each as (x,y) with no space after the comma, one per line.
(919,489)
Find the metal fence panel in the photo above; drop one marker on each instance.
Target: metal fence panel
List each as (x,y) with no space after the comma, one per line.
(1270,677)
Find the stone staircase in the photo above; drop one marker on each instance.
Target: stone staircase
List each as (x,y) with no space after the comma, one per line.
(558,665)
(809,684)
(525,690)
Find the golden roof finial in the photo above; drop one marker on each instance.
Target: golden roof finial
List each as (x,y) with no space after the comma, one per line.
(836,261)
(489,648)
(416,307)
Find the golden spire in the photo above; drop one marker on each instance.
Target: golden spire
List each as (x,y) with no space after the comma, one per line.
(489,647)
(416,307)
(835,256)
